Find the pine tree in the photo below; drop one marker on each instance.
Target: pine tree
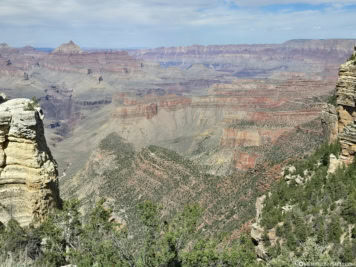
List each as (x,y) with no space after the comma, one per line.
(334,230)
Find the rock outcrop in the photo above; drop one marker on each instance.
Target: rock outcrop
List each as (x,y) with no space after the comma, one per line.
(28,173)
(329,119)
(346,108)
(334,163)
(257,231)
(69,48)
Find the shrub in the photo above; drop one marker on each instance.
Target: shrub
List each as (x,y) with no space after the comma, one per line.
(352,57)
(332,99)
(99,242)
(33,104)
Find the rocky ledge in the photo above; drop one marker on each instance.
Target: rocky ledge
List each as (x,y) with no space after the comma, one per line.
(28,173)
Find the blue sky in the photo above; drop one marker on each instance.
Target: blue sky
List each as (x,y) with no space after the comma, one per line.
(154,23)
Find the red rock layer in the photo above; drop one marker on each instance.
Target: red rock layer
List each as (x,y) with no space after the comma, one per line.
(244,161)
(147,106)
(233,138)
(136,111)
(292,50)
(24,59)
(118,62)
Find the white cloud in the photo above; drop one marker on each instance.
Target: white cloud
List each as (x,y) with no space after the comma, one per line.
(118,23)
(284,2)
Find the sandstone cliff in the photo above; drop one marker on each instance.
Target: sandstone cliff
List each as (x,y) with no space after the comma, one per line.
(28,173)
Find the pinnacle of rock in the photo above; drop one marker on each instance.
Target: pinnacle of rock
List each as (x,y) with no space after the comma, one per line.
(68,48)
(28,173)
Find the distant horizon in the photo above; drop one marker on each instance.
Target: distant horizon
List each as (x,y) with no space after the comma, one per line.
(189,45)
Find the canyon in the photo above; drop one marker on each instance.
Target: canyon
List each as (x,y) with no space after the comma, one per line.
(218,105)
(204,125)
(155,133)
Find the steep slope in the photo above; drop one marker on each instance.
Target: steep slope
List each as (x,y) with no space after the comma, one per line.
(126,177)
(118,173)
(314,206)
(28,173)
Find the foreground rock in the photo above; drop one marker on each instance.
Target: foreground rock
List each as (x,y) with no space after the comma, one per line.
(28,173)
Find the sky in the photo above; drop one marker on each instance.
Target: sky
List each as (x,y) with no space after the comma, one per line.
(156,23)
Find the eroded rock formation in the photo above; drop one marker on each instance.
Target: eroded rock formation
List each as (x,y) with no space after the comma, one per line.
(346,108)
(237,100)
(69,48)
(28,173)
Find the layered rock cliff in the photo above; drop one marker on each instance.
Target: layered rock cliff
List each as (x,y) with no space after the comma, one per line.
(340,118)
(242,60)
(28,173)
(346,108)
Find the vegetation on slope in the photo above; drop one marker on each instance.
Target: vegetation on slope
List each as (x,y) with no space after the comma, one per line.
(319,213)
(313,219)
(128,178)
(65,239)
(353,58)
(332,99)
(296,144)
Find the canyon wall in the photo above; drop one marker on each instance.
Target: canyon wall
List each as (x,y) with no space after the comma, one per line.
(249,60)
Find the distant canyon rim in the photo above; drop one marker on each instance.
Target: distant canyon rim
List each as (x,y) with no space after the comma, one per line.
(222,106)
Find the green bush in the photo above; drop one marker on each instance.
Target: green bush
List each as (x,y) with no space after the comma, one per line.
(33,104)
(322,207)
(332,99)
(352,57)
(65,239)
